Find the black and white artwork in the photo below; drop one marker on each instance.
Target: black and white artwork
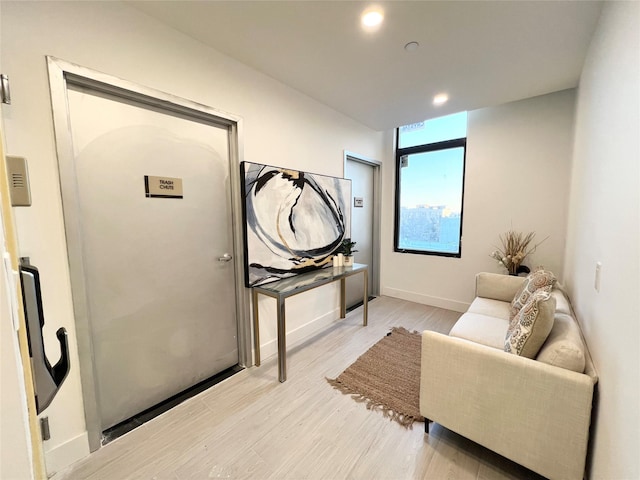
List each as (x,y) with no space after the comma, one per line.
(294,221)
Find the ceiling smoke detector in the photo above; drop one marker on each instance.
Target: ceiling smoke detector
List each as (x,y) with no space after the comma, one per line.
(411,46)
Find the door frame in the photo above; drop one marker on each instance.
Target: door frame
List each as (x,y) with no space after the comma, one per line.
(9,238)
(62,74)
(374,288)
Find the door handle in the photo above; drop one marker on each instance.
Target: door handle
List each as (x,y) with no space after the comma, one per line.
(225,258)
(47,379)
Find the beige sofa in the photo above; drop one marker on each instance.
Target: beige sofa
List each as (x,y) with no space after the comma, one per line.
(535,412)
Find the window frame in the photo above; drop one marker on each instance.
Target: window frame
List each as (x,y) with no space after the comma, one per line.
(426,148)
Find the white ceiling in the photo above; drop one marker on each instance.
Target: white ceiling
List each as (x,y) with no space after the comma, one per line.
(480,52)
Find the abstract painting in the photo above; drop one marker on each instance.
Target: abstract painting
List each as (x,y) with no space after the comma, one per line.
(293,221)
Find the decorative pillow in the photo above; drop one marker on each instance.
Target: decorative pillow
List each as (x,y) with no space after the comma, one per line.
(540,279)
(531,326)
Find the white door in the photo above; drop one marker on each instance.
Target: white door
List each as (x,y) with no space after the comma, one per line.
(362,225)
(158,278)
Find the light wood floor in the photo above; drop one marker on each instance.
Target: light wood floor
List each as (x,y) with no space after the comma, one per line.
(252,427)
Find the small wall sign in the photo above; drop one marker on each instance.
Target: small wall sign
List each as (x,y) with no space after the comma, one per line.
(358,202)
(162,187)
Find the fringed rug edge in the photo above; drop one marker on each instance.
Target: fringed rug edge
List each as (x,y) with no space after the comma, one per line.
(405,420)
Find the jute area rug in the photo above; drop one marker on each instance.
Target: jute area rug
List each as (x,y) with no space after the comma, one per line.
(387,377)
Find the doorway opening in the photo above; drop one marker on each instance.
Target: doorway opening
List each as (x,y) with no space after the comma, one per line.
(365,177)
(152,213)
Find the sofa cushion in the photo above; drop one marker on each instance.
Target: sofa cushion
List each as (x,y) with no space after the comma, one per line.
(490,307)
(531,326)
(483,329)
(538,280)
(562,303)
(564,347)
(497,286)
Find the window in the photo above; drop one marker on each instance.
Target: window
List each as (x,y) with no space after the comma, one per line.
(430,159)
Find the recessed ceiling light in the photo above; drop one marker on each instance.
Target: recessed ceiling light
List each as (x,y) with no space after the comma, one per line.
(372,18)
(411,46)
(440,99)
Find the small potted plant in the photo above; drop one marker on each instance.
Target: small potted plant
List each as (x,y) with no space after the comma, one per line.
(515,248)
(347,250)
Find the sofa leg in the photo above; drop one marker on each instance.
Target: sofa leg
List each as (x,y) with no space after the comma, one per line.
(426,425)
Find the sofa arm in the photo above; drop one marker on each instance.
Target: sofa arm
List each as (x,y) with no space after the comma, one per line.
(497,286)
(532,413)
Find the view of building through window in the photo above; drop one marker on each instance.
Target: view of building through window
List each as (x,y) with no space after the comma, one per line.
(429,189)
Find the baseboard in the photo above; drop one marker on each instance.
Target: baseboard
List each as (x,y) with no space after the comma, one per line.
(60,457)
(301,333)
(439,302)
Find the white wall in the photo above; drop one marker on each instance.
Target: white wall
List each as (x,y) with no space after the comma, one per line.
(281,127)
(517,175)
(604,227)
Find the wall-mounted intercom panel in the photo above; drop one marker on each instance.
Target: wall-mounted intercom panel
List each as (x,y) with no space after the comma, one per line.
(18,181)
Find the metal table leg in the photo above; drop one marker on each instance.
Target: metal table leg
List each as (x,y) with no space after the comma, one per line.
(343,299)
(282,341)
(365,300)
(256,327)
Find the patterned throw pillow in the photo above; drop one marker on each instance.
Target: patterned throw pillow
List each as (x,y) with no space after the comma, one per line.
(532,325)
(540,279)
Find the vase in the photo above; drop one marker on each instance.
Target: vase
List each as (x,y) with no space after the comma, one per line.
(520,269)
(348,261)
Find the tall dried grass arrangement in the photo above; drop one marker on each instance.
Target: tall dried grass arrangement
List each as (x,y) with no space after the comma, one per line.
(515,248)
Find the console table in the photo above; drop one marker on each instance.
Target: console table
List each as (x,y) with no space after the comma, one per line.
(282,289)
